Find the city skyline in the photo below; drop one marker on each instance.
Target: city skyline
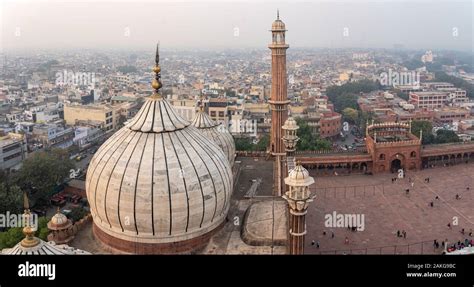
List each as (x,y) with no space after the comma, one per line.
(209,25)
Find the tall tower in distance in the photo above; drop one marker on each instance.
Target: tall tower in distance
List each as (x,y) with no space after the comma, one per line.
(278,101)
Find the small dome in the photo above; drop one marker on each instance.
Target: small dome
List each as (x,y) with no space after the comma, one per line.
(278,25)
(217,132)
(43,248)
(58,222)
(299,176)
(290,124)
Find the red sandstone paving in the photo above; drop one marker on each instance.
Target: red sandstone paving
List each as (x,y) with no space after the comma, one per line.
(387,209)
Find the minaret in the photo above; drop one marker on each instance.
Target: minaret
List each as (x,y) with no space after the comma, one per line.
(278,100)
(290,139)
(298,198)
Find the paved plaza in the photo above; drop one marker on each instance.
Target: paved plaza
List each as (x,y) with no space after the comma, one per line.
(387,207)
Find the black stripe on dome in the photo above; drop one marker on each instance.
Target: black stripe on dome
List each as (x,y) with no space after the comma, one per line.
(126,135)
(217,162)
(108,181)
(136,183)
(168,181)
(123,175)
(197,175)
(184,182)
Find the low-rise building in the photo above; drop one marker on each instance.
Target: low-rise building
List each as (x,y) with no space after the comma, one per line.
(108,115)
(53,135)
(13,150)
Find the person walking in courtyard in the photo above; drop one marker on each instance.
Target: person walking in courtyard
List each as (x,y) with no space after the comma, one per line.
(346,241)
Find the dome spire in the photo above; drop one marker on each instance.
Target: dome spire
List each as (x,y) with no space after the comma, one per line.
(278,14)
(156,84)
(30,240)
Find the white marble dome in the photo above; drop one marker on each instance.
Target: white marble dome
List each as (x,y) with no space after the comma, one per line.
(158,179)
(43,248)
(299,176)
(217,132)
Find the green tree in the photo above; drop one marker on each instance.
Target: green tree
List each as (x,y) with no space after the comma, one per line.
(446,136)
(42,230)
(246,144)
(127,69)
(351,115)
(345,96)
(243,144)
(263,143)
(11,199)
(42,172)
(11,196)
(10,238)
(426,127)
(322,144)
(308,140)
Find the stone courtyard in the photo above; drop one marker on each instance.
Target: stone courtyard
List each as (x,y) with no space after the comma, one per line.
(387,207)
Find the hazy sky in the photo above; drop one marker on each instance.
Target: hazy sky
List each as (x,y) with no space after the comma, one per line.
(211,24)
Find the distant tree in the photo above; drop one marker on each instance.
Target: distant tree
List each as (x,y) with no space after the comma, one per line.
(10,238)
(42,230)
(365,117)
(308,140)
(127,69)
(77,213)
(11,198)
(42,172)
(263,143)
(246,144)
(351,115)
(345,96)
(322,144)
(402,95)
(73,149)
(413,64)
(243,144)
(427,127)
(446,136)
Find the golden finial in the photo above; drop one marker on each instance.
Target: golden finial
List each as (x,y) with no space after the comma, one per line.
(156,83)
(30,240)
(201,103)
(26,204)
